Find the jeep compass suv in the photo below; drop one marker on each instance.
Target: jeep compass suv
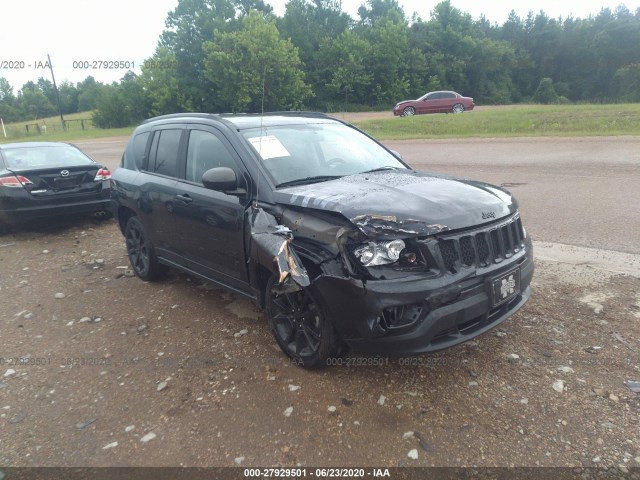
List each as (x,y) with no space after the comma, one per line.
(342,243)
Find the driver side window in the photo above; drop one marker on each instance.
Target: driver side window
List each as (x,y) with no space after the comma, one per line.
(206,151)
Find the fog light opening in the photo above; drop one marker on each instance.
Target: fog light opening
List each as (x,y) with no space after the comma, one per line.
(399,316)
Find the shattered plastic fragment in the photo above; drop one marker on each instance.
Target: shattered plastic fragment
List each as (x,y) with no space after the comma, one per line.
(271,245)
(633,385)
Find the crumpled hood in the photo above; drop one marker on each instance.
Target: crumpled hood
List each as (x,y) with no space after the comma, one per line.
(407,202)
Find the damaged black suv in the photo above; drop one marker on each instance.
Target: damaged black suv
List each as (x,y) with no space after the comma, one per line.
(341,243)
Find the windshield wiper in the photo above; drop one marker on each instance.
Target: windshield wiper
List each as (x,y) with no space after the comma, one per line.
(307,180)
(386,167)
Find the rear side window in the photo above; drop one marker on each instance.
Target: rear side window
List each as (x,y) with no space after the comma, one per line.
(164,152)
(448,95)
(139,148)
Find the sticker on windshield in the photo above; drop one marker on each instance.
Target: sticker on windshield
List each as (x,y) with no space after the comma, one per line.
(268,147)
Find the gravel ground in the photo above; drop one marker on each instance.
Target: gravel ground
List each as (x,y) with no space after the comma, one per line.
(101,369)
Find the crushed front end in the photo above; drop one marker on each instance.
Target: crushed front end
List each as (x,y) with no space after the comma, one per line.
(446,287)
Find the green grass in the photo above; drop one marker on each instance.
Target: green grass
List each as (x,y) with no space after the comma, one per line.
(501,121)
(512,121)
(16,132)
(70,135)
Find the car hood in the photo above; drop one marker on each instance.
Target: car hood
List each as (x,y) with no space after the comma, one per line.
(404,202)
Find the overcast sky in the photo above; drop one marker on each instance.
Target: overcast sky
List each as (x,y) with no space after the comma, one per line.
(128,30)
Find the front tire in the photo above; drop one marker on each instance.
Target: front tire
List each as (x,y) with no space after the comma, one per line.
(408,112)
(300,327)
(141,253)
(458,108)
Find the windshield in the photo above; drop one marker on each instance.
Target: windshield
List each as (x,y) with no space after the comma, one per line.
(44,157)
(312,153)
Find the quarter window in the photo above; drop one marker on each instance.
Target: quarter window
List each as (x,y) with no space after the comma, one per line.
(139,148)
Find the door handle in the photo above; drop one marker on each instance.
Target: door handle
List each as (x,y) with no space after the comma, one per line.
(184,198)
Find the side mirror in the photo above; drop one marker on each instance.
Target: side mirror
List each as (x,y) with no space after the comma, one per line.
(396,154)
(222,179)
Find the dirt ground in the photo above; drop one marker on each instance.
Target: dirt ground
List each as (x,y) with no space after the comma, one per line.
(94,361)
(98,368)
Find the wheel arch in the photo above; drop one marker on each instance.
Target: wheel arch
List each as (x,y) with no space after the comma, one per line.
(124,214)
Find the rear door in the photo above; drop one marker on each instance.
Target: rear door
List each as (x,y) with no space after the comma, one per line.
(210,224)
(447,101)
(158,190)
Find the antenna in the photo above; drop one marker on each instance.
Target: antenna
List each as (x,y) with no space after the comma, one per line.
(264,75)
(55,89)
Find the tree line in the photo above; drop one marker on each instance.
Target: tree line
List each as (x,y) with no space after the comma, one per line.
(238,56)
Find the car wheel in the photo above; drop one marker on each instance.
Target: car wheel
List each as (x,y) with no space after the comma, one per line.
(300,327)
(408,112)
(140,251)
(458,108)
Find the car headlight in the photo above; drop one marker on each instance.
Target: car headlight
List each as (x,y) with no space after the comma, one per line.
(379,253)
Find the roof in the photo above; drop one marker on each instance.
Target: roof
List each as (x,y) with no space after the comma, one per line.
(252,120)
(34,145)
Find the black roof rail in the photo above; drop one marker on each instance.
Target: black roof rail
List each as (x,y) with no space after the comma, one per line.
(298,112)
(222,115)
(182,115)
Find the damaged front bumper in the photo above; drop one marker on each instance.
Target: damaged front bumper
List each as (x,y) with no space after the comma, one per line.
(414,315)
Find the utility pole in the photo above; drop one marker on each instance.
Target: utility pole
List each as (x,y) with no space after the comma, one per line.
(55,89)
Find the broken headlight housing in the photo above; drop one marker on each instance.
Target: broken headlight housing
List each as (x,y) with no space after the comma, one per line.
(379,253)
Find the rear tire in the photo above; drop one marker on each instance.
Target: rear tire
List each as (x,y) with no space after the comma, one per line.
(458,108)
(141,254)
(300,327)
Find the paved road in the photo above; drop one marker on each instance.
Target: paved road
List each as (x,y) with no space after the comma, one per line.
(579,191)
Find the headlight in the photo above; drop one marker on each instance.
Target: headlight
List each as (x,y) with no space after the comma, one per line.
(379,253)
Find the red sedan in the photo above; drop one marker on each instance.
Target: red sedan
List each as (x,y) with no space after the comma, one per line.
(434,102)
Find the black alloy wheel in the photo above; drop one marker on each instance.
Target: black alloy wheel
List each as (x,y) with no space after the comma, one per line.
(140,251)
(300,327)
